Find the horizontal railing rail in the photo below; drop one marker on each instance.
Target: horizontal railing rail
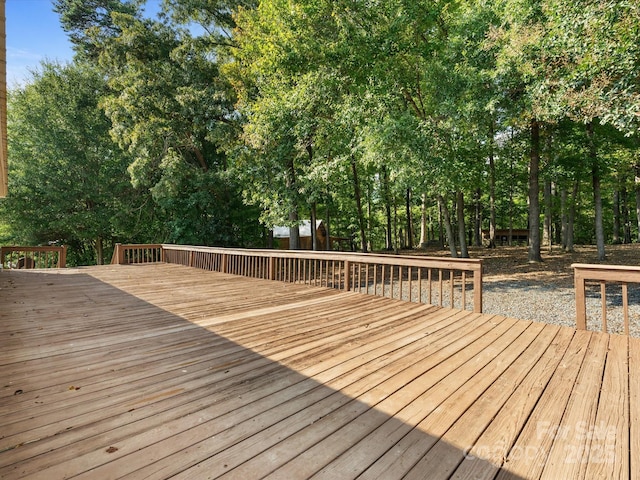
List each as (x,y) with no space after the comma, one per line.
(601,275)
(456,283)
(141,253)
(19,257)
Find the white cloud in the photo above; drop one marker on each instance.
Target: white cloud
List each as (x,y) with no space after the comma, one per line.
(18,54)
(20,64)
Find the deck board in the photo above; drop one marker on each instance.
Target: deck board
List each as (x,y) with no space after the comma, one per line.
(634,413)
(163,371)
(609,439)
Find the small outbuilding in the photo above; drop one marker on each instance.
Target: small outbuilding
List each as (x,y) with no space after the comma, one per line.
(281,236)
(518,236)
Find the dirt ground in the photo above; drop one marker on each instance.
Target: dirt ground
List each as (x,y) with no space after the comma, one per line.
(510,263)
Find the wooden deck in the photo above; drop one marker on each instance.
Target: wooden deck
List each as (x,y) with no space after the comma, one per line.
(164,371)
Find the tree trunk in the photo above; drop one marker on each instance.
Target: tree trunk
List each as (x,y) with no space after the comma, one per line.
(314,233)
(599,222)
(637,189)
(270,238)
(396,242)
(424,240)
(557,224)
(477,225)
(534,197)
(409,220)
(511,203)
(446,220)
(597,194)
(441,234)
(564,217)
(626,220)
(327,227)
(464,252)
(492,193)
(616,217)
(294,231)
(571,219)
(548,219)
(369,217)
(358,197)
(387,206)
(99,251)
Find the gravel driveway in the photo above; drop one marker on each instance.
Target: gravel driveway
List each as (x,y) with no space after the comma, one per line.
(534,300)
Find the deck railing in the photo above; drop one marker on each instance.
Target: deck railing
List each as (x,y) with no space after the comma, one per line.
(140,253)
(585,274)
(33,257)
(455,283)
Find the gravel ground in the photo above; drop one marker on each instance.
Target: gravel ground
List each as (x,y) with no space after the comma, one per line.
(531,300)
(544,291)
(541,301)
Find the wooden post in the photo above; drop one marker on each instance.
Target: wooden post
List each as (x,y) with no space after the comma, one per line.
(191,258)
(581,301)
(452,288)
(625,307)
(272,268)
(463,302)
(477,290)
(347,275)
(62,257)
(224,266)
(603,305)
(119,254)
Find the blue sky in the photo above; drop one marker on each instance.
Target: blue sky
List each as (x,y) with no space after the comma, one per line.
(33,34)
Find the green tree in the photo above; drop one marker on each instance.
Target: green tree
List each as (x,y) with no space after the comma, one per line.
(69,179)
(173,112)
(84,20)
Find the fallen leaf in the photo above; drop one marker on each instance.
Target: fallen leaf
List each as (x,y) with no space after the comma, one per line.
(111,450)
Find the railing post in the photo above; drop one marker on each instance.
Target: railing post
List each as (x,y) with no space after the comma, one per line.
(224,263)
(272,268)
(347,275)
(119,254)
(191,258)
(581,300)
(2,254)
(477,290)
(62,257)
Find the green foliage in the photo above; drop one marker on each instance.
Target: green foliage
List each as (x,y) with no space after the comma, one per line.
(84,19)
(593,51)
(173,112)
(68,179)
(227,113)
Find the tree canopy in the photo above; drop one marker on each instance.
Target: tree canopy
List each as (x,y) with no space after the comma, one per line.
(225,118)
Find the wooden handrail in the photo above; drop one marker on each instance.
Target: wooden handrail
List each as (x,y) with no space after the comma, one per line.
(396,276)
(404,260)
(124,254)
(18,257)
(623,275)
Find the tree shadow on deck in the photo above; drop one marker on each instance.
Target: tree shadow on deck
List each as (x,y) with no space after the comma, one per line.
(99,380)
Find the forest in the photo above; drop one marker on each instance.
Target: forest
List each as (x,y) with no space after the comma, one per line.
(400,123)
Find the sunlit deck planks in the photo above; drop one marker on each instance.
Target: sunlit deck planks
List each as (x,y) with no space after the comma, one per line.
(159,371)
